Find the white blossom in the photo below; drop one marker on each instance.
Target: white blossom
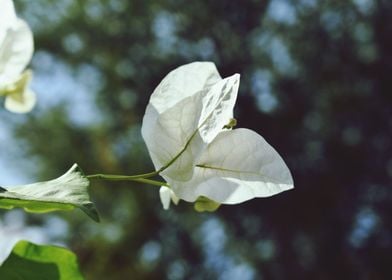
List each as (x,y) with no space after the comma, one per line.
(187,130)
(16,50)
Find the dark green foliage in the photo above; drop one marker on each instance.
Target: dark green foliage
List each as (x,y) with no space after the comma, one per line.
(29,261)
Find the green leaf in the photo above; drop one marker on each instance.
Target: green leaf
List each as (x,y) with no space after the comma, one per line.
(64,193)
(29,261)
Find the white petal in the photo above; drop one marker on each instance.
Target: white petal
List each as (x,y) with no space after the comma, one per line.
(7,17)
(218,104)
(182,82)
(237,166)
(173,112)
(165,194)
(16,51)
(185,125)
(170,133)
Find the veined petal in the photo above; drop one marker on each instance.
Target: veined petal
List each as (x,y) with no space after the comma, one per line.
(173,112)
(171,136)
(16,51)
(172,115)
(237,166)
(177,132)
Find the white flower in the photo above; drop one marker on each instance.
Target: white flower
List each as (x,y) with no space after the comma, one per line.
(16,49)
(187,130)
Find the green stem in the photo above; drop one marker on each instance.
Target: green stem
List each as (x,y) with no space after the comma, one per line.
(135,178)
(179,154)
(151,182)
(122,177)
(142,177)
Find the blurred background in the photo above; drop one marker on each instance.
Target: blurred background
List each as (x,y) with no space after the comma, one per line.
(315,82)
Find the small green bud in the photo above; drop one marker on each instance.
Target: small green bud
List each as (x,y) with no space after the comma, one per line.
(205,204)
(232,123)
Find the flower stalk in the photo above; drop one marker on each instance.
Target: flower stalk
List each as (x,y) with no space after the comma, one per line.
(141,178)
